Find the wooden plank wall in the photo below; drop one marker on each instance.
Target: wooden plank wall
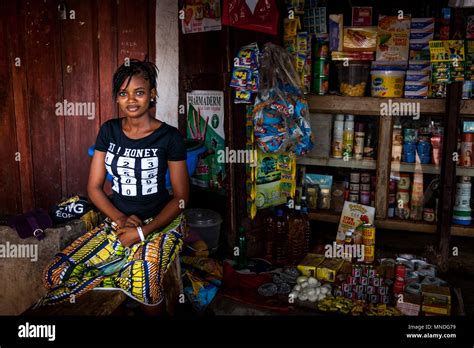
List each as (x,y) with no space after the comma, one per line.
(71,60)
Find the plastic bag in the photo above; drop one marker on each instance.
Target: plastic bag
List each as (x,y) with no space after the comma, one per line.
(281,114)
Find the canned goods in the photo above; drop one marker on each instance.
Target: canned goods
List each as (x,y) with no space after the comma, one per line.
(364,281)
(369,253)
(365,187)
(400,272)
(365,270)
(374,298)
(368,236)
(386,299)
(338,292)
(321,68)
(360,288)
(355,177)
(320,85)
(354,197)
(429,215)
(321,49)
(365,178)
(350,279)
(365,197)
(355,271)
(404,183)
(377,281)
(370,289)
(361,296)
(383,290)
(372,272)
(346,287)
(354,187)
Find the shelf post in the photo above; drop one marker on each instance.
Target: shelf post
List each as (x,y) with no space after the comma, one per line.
(448,173)
(384,163)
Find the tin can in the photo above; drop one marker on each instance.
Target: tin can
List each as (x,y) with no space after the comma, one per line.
(429,215)
(350,280)
(400,272)
(365,178)
(360,288)
(372,272)
(320,85)
(321,68)
(353,295)
(338,292)
(365,187)
(405,181)
(364,281)
(377,281)
(370,289)
(361,296)
(365,270)
(346,287)
(354,187)
(321,49)
(356,271)
(386,299)
(365,197)
(398,287)
(368,235)
(369,253)
(354,197)
(383,290)
(355,177)
(374,298)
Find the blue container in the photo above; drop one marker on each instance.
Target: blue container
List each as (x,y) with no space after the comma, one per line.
(424,152)
(409,152)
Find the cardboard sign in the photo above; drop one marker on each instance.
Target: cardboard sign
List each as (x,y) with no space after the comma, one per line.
(353,215)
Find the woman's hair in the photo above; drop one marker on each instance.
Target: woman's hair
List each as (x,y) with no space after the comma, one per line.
(146,69)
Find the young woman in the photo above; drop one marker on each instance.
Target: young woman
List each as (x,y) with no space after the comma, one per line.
(142,234)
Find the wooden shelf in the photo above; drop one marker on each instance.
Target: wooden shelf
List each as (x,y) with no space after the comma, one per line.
(334,104)
(465,171)
(335,162)
(467,108)
(466,231)
(416,168)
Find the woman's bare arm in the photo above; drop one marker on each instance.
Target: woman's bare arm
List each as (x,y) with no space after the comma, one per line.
(95,189)
(180,183)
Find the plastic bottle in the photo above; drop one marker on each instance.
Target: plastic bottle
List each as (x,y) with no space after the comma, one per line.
(280,242)
(348,138)
(359,139)
(269,234)
(307,224)
(337,136)
(296,234)
(241,259)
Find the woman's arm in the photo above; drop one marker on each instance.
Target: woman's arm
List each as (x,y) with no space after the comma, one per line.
(180,183)
(96,193)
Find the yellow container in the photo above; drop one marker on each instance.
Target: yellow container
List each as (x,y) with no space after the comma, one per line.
(387,83)
(309,265)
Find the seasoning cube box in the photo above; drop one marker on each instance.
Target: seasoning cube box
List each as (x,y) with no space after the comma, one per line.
(328,269)
(308,267)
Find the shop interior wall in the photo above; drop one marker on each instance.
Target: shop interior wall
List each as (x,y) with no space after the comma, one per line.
(45,60)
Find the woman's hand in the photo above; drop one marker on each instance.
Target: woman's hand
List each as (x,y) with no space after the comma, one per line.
(133,221)
(128,236)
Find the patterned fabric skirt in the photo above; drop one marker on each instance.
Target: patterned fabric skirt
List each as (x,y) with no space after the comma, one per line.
(98,260)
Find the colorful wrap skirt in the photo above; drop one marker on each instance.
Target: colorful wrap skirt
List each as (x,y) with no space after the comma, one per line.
(99,260)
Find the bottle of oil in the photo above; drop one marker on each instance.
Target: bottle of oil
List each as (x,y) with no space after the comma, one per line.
(307,225)
(269,234)
(280,242)
(296,236)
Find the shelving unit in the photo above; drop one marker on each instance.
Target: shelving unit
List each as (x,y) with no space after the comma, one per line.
(369,106)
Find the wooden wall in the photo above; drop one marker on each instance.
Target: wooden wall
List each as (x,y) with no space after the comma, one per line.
(44,156)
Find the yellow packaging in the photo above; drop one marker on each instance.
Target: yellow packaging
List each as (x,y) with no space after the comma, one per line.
(309,265)
(328,269)
(444,310)
(387,83)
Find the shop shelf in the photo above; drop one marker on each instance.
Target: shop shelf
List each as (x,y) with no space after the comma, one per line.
(416,168)
(334,104)
(465,171)
(336,162)
(325,215)
(466,231)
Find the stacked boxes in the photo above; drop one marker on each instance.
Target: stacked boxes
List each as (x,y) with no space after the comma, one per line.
(419,70)
(366,285)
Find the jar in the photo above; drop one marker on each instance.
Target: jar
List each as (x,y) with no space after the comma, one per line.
(404,183)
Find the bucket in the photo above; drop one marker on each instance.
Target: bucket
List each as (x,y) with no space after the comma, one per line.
(204,230)
(387,83)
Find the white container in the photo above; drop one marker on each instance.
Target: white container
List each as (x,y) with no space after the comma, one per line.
(204,225)
(464,189)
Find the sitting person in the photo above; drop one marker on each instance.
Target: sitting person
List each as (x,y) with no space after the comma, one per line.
(143,232)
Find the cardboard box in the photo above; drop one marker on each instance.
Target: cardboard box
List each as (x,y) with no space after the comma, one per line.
(328,269)
(308,267)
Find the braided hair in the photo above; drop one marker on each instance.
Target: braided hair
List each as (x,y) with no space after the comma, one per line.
(127,70)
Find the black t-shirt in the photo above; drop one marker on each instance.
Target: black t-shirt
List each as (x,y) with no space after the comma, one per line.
(139,166)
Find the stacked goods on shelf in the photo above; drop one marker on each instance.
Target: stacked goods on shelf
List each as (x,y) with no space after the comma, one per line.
(417,81)
(352,140)
(320,83)
(245,74)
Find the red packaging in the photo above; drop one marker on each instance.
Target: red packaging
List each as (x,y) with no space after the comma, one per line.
(400,272)
(264,17)
(361,16)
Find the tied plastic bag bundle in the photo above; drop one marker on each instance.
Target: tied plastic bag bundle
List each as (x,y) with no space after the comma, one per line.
(281,115)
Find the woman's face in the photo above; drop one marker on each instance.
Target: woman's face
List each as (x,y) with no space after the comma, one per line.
(135,98)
